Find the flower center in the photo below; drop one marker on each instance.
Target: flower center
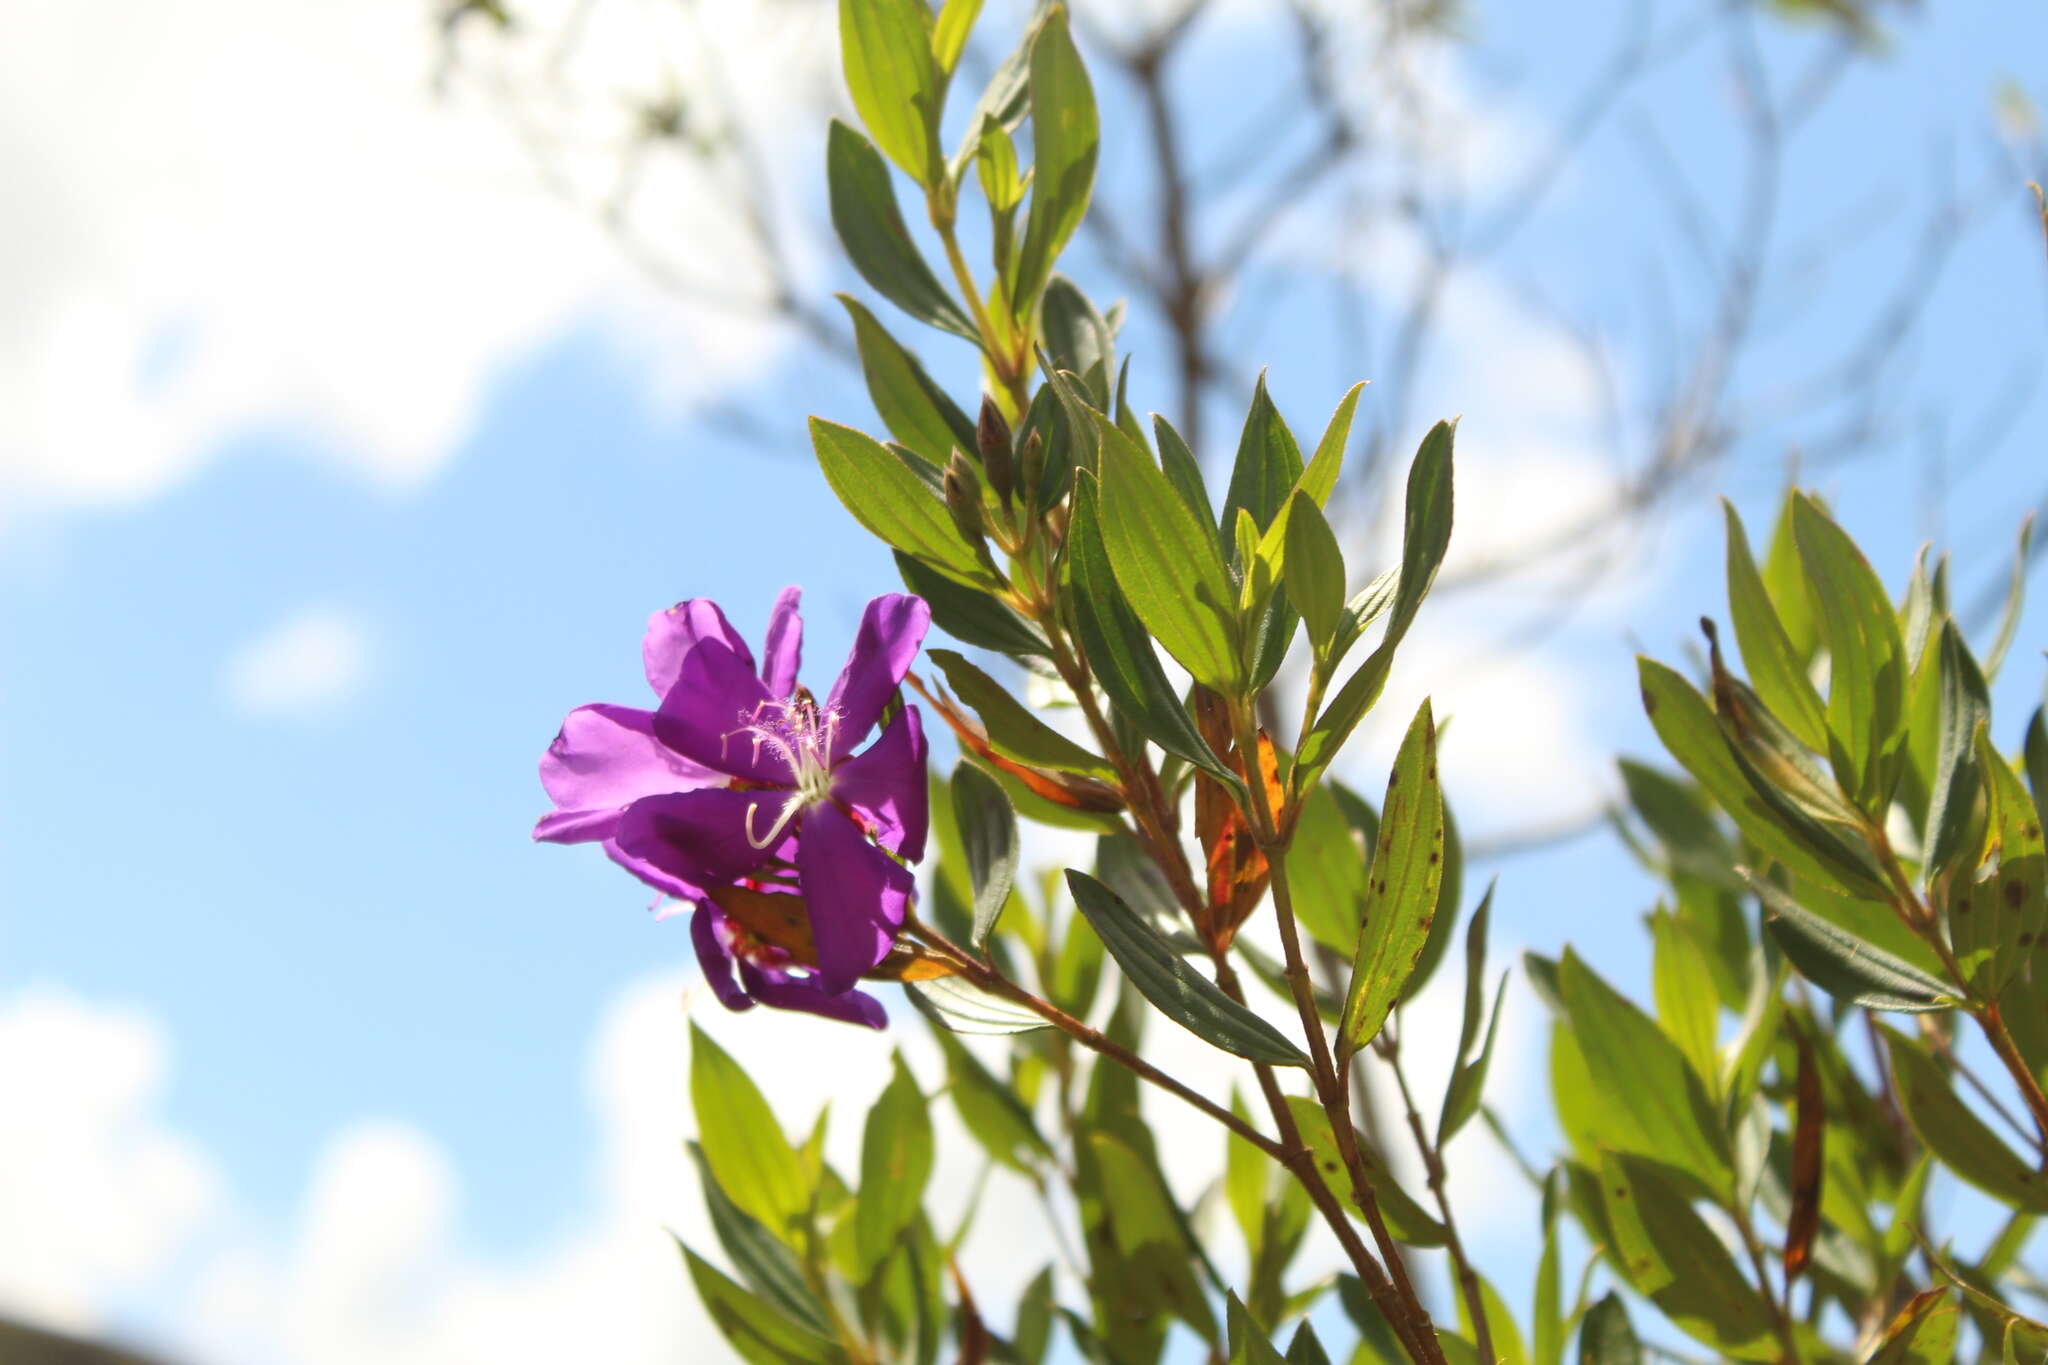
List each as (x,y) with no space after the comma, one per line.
(800,732)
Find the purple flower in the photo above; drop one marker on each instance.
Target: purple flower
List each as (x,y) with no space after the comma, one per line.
(741,779)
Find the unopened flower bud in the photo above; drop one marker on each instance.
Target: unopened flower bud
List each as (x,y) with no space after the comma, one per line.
(963,498)
(992,435)
(1031,467)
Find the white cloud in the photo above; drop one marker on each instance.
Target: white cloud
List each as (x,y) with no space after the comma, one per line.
(307,664)
(227,215)
(97,1193)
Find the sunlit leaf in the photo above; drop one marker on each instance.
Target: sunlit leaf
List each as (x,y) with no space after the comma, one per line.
(1401,900)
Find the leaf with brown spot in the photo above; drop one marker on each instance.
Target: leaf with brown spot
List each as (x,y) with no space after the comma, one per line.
(1808,1163)
(1400,901)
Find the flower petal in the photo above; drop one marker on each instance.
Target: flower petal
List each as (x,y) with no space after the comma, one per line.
(890,631)
(716,960)
(857,895)
(704,715)
(604,759)
(698,837)
(784,992)
(673,633)
(783,651)
(668,885)
(886,785)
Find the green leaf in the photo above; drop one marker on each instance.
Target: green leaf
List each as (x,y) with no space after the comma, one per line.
(958,1006)
(1184,471)
(914,408)
(1401,900)
(1120,652)
(1688,1007)
(1922,1333)
(995,167)
(950,32)
(1306,1348)
(1248,1343)
(1426,535)
(1314,572)
(1034,1320)
(1508,1346)
(1694,737)
(1965,710)
(1955,1135)
(1166,565)
(1605,1337)
(1406,1219)
(1867,658)
(2036,756)
(2015,599)
(1267,467)
(1012,730)
(1245,1181)
(877,240)
(1177,990)
(886,48)
(769,1268)
(895,1164)
(1319,480)
(988,836)
(1995,923)
(1326,864)
(1468,1076)
(1846,966)
(1065,141)
(970,615)
(1076,337)
(1668,1253)
(1644,1079)
(1775,668)
(1077,971)
(893,503)
(1547,1326)
(1148,1233)
(761,1334)
(990,1110)
(745,1147)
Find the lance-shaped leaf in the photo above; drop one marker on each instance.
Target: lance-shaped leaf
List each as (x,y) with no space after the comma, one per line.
(1065,139)
(1306,1348)
(1867,663)
(1668,1253)
(1267,467)
(1694,737)
(1405,1218)
(988,837)
(1247,1339)
(2015,599)
(1995,922)
(959,1006)
(1468,1075)
(2036,760)
(1166,564)
(1319,479)
(970,615)
(1965,708)
(1955,1135)
(1923,1332)
(886,49)
(761,1333)
(1605,1336)
(1326,866)
(1314,572)
(1425,537)
(1184,472)
(1845,965)
(877,240)
(914,408)
(1013,730)
(746,1149)
(1401,899)
(768,1267)
(990,1110)
(895,1164)
(1121,653)
(894,504)
(1642,1073)
(1177,990)
(1777,670)
(1077,338)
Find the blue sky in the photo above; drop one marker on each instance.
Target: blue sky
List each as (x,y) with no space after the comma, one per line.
(293,881)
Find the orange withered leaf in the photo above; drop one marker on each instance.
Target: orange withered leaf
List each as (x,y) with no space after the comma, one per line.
(1237,870)
(1062,789)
